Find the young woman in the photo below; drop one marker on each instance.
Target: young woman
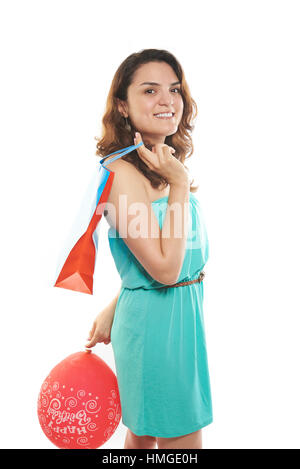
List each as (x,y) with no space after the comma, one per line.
(155,323)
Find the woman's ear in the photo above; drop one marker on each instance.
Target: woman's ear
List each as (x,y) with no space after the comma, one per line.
(122,108)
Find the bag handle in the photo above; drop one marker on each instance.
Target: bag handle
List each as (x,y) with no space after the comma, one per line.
(124,151)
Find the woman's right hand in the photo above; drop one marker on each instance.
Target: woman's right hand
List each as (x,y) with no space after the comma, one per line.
(161,161)
(101,329)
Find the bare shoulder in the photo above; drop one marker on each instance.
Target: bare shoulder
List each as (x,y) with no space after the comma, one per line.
(118,165)
(127,181)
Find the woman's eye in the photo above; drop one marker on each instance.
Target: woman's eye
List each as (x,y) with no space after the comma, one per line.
(177,89)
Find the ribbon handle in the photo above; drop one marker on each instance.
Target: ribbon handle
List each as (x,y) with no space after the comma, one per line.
(124,152)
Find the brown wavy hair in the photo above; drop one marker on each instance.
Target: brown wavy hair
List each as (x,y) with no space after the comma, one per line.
(114,134)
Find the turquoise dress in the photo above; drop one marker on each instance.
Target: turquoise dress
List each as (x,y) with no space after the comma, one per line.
(158,339)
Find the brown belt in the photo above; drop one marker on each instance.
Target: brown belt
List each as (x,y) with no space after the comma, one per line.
(182,284)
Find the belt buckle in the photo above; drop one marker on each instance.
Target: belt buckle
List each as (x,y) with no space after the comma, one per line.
(201,276)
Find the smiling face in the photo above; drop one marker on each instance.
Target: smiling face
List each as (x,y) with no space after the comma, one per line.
(163,95)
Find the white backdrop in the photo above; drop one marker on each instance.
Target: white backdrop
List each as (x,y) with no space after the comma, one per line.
(241,60)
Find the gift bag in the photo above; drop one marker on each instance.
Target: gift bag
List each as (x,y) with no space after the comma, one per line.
(77,272)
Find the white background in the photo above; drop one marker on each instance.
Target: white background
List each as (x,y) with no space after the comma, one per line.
(241,60)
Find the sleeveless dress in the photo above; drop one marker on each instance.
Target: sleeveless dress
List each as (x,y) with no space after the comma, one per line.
(158,338)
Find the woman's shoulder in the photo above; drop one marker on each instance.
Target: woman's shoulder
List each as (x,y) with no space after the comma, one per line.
(128,176)
(119,165)
(127,180)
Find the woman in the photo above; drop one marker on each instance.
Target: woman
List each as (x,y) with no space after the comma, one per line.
(156,328)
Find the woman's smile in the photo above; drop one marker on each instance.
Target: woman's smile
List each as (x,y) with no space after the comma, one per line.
(164,115)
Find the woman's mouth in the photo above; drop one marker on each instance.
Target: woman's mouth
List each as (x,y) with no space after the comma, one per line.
(164,115)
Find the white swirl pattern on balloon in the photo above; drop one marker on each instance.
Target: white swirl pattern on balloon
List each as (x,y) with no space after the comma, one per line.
(83,440)
(47,431)
(92,427)
(54,404)
(71,402)
(66,414)
(45,385)
(111,414)
(91,406)
(108,431)
(81,394)
(55,386)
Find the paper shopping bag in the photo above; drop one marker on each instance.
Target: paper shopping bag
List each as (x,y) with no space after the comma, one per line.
(77,272)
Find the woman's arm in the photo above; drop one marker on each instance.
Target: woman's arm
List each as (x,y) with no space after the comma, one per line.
(102,325)
(111,307)
(130,212)
(173,234)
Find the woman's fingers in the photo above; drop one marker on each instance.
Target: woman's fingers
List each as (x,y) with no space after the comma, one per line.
(160,152)
(94,338)
(91,337)
(142,151)
(91,343)
(151,158)
(91,333)
(94,341)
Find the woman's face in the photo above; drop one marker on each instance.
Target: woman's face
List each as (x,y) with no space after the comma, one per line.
(162,95)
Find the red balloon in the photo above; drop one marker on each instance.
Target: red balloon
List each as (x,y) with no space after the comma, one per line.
(79,402)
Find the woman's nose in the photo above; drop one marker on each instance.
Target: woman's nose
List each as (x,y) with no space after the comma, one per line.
(166,98)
